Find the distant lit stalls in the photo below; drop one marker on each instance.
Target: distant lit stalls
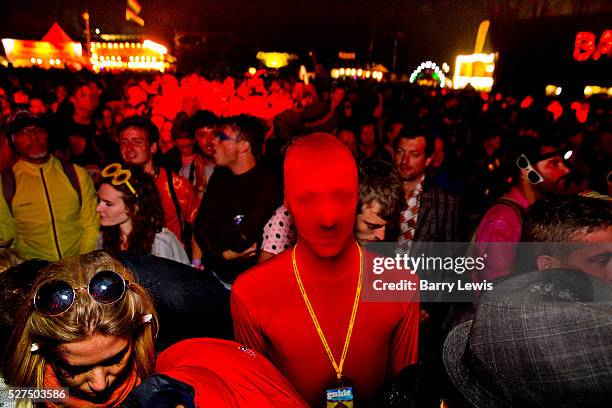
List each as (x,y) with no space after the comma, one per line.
(275,59)
(55,50)
(134,56)
(428,73)
(375,73)
(476,70)
(591,90)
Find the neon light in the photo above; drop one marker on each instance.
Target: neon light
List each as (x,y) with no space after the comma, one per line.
(153,46)
(464,74)
(9,45)
(584,45)
(605,45)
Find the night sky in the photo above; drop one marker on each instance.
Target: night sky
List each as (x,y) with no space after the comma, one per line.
(435,30)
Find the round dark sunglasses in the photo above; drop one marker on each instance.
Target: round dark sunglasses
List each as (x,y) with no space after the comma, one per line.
(57,296)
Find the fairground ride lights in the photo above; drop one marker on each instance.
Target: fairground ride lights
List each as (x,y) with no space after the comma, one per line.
(153,46)
(429,66)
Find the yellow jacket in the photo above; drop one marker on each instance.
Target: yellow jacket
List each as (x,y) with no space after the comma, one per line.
(47,222)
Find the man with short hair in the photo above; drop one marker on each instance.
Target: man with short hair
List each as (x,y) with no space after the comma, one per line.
(275,305)
(85,98)
(138,140)
(569,232)
(380,202)
(431,214)
(48,208)
(239,199)
(203,124)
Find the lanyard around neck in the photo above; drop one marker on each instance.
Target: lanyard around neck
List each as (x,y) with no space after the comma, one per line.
(337,367)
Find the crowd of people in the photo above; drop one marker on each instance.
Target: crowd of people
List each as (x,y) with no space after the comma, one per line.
(203,241)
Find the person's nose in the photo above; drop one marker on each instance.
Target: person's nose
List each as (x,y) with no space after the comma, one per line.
(99,208)
(379,233)
(564,169)
(328,216)
(97,379)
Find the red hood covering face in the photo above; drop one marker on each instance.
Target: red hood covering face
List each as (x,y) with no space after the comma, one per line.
(321,193)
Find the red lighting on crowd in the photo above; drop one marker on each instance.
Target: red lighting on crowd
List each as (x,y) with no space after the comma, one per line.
(527,102)
(581,110)
(556,109)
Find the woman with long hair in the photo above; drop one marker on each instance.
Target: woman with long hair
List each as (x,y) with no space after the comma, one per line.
(89,328)
(131,215)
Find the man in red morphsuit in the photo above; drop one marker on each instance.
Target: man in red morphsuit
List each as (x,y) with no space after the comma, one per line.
(269,309)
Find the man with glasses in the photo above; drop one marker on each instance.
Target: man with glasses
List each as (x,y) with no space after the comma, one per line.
(537,167)
(48,208)
(240,197)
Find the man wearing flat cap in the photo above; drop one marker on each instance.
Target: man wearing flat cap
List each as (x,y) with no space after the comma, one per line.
(48,206)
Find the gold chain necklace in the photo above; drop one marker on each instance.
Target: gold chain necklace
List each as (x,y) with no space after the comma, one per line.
(337,367)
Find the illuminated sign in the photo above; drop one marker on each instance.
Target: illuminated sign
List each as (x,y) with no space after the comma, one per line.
(586,46)
(476,70)
(346,55)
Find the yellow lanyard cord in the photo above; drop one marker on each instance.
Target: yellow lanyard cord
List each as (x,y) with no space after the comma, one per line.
(337,367)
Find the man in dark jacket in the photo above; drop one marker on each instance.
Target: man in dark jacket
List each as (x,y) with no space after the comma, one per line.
(240,198)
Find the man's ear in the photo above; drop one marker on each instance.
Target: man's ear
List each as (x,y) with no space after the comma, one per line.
(547,262)
(428,161)
(153,148)
(244,146)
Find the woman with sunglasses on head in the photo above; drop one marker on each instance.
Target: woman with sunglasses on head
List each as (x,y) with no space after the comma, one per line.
(89,328)
(131,215)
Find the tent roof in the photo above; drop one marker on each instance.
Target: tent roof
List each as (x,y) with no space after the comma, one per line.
(56,35)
